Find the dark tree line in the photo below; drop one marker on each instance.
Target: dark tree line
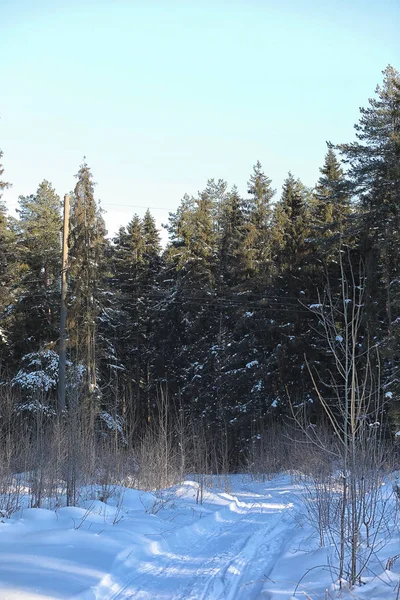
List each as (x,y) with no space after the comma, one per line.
(223,317)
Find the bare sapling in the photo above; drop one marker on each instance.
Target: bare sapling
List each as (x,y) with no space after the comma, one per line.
(355,413)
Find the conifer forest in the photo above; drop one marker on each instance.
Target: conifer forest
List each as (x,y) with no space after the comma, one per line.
(268,317)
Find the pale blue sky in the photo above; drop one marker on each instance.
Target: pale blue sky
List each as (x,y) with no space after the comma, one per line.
(160,96)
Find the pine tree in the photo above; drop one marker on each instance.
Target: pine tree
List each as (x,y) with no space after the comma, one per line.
(374,174)
(4,238)
(7,260)
(38,234)
(374,160)
(3,184)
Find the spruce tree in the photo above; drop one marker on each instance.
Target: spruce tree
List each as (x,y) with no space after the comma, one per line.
(135,265)
(291,224)
(294,284)
(231,241)
(87,245)
(331,208)
(152,295)
(258,212)
(127,261)
(216,191)
(171,328)
(190,326)
(152,246)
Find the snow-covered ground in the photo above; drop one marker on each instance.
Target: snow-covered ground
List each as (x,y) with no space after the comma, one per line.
(246,540)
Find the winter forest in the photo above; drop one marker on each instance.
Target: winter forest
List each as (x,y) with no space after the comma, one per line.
(263,337)
(235,327)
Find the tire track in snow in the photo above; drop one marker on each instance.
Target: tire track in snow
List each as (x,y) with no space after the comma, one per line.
(148,572)
(228,562)
(240,570)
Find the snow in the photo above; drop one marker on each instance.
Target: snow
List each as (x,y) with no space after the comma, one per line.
(251,364)
(113,423)
(210,538)
(40,371)
(257,387)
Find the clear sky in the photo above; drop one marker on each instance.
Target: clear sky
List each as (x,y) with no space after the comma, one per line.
(162,95)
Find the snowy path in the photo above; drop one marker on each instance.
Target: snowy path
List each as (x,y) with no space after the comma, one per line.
(254,543)
(226,555)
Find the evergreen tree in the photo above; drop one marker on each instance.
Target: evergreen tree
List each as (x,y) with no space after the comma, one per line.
(152,246)
(171,328)
(291,224)
(331,208)
(374,160)
(38,233)
(374,174)
(231,241)
(295,283)
(4,238)
(128,282)
(87,271)
(216,191)
(3,184)
(151,297)
(7,258)
(193,243)
(136,263)
(180,227)
(332,226)
(238,340)
(190,324)
(258,212)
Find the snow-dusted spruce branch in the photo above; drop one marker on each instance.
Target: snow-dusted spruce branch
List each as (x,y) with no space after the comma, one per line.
(355,416)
